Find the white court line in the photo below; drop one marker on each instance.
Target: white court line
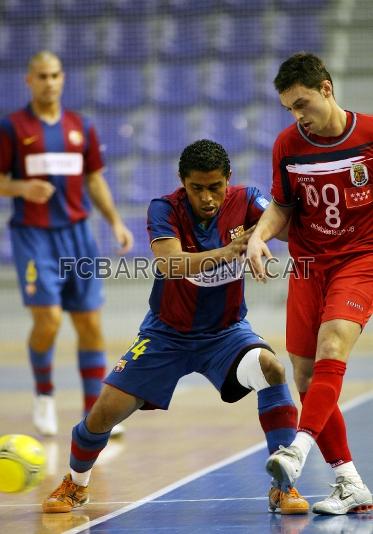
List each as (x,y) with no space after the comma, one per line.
(349,405)
(170,501)
(169,488)
(356,401)
(163,501)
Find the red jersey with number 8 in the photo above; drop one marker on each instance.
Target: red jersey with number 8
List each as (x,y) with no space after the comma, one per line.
(329,182)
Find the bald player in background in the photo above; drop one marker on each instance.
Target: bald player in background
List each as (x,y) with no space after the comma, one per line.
(50,164)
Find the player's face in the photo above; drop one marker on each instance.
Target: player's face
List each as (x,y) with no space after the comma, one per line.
(310,107)
(206,192)
(45,80)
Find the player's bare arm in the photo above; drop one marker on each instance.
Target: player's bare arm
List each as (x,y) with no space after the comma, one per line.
(281,236)
(34,190)
(102,198)
(273,223)
(173,261)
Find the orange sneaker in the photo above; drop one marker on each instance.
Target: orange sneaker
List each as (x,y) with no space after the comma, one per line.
(66,497)
(287,503)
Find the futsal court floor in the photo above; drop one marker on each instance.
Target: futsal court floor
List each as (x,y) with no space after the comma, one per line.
(196,469)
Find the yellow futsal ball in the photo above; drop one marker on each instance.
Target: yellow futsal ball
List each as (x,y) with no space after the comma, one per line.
(22,463)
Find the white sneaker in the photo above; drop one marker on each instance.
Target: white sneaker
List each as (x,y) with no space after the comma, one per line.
(346,497)
(44,415)
(117,430)
(285,466)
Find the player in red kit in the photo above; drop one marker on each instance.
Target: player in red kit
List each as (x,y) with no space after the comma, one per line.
(322,183)
(50,164)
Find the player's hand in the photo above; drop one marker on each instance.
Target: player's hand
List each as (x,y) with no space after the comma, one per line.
(123,235)
(237,248)
(38,191)
(256,249)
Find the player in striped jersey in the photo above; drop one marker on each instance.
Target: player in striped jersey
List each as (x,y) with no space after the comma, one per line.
(50,164)
(196,323)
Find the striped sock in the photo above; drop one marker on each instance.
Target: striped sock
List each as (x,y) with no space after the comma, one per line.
(41,363)
(278,416)
(92,365)
(85,447)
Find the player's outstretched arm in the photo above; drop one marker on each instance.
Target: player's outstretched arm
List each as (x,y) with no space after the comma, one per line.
(273,223)
(172,261)
(33,190)
(102,198)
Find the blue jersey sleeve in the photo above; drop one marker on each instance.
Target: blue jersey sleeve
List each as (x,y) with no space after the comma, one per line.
(161,220)
(256,204)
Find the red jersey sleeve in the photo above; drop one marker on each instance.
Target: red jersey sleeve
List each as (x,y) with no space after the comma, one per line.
(6,146)
(92,157)
(281,190)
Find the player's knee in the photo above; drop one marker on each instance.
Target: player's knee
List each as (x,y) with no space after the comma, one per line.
(45,327)
(89,330)
(331,348)
(272,368)
(259,369)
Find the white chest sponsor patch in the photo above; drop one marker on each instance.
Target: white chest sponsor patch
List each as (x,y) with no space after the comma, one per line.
(219,275)
(54,163)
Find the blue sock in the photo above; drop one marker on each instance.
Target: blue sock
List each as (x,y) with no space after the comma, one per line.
(92,366)
(278,416)
(41,364)
(85,447)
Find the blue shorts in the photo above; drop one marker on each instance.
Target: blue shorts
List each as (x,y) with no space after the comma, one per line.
(37,252)
(159,357)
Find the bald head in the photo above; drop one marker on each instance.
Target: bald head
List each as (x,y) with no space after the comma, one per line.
(44,56)
(45,79)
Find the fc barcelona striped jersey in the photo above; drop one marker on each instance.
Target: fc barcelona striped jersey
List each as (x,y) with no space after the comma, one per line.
(62,153)
(329,182)
(214,300)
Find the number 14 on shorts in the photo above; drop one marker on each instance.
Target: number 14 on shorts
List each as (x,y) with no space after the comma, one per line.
(138,347)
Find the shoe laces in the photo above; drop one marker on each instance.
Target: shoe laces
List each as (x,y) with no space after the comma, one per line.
(67,489)
(292,493)
(340,490)
(291,451)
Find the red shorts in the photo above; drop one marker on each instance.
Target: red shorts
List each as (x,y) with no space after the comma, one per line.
(343,292)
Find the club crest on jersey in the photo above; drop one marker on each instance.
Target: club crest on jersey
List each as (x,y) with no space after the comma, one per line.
(359,174)
(120,366)
(30,289)
(236,232)
(75,137)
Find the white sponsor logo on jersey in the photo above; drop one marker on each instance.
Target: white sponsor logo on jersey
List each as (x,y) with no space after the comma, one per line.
(324,167)
(220,275)
(54,163)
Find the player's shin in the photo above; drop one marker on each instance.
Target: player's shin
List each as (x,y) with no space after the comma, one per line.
(277,413)
(85,449)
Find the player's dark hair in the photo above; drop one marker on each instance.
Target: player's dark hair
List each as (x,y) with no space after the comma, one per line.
(204,155)
(302,68)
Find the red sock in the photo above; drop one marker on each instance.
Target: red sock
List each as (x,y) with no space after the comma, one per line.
(322,396)
(332,440)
